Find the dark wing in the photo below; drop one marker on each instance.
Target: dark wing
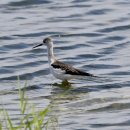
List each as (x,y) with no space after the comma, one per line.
(69,69)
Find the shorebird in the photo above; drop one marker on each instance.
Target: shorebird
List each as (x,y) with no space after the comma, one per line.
(59,69)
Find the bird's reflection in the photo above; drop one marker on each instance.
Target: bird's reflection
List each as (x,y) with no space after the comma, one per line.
(65,85)
(62,95)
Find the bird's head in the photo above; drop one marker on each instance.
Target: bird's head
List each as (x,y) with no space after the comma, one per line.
(47,42)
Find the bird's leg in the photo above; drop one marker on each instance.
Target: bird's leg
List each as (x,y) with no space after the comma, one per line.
(66,83)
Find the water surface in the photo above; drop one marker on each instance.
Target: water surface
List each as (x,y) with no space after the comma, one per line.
(92,36)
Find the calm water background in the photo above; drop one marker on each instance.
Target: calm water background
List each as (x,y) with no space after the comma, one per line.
(94,36)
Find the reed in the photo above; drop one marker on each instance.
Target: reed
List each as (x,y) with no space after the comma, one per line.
(29,120)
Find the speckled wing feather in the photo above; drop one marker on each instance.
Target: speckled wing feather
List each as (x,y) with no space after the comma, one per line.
(69,69)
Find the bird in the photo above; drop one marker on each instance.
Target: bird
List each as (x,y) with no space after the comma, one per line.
(59,69)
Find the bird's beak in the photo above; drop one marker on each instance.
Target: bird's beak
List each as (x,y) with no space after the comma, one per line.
(38,45)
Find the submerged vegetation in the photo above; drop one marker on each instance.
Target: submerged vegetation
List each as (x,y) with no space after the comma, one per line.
(30,118)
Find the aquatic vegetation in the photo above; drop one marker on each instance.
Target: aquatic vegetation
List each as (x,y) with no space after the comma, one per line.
(29,120)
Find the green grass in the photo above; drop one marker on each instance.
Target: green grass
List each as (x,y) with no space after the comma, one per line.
(34,120)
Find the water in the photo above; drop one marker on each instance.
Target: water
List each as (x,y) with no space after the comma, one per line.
(94,36)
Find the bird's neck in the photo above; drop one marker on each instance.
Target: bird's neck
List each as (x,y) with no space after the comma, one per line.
(51,57)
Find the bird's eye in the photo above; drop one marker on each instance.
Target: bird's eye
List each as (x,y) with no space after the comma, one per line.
(44,41)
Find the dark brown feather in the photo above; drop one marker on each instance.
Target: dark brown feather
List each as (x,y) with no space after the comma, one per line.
(69,69)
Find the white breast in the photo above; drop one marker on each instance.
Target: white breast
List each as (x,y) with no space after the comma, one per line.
(60,74)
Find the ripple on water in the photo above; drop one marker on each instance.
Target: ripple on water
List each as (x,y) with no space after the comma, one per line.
(99,11)
(115,28)
(91,35)
(28,3)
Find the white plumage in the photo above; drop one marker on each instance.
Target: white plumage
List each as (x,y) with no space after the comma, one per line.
(59,69)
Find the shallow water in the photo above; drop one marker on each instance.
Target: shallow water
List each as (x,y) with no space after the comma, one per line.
(92,36)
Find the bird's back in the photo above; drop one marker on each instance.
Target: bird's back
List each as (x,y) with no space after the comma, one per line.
(68,69)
